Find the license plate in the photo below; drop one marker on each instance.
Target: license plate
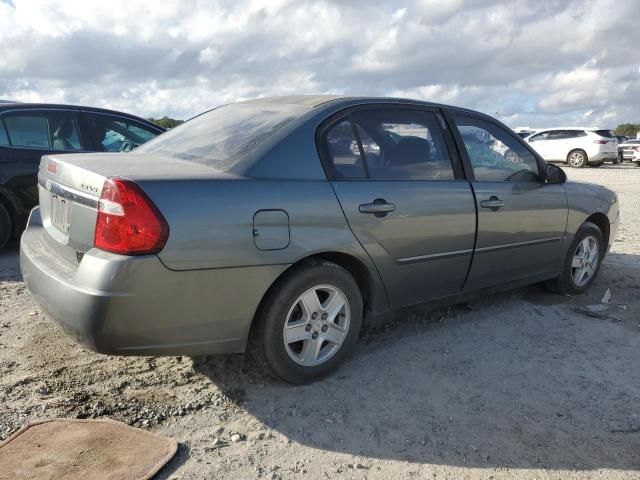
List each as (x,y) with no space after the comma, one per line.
(60,213)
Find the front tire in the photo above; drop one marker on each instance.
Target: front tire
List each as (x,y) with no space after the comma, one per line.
(308,324)
(577,158)
(5,226)
(582,262)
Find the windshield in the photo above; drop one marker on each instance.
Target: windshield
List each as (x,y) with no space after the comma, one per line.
(221,137)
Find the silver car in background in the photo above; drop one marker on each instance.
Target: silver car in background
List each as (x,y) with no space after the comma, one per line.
(629,151)
(257,225)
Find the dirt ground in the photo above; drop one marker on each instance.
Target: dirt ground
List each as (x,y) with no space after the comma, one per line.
(518,385)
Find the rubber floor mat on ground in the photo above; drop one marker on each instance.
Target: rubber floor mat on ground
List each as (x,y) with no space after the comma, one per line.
(66,449)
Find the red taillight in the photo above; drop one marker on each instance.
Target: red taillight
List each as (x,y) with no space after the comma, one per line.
(128,222)
(601,142)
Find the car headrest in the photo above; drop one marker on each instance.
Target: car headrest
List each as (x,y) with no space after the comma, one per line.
(411,150)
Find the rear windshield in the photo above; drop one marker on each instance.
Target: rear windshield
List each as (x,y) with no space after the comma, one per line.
(221,137)
(604,133)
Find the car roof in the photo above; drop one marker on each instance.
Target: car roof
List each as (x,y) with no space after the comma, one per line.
(572,128)
(339,101)
(10,105)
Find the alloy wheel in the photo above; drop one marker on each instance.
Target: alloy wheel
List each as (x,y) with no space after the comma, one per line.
(576,159)
(585,261)
(316,325)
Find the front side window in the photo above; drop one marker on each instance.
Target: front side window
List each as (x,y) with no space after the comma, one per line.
(64,131)
(117,134)
(403,144)
(495,154)
(539,136)
(4,138)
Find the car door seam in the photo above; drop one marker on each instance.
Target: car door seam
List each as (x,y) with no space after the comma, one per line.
(384,286)
(475,238)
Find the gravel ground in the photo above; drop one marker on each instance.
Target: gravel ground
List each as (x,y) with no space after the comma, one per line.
(518,385)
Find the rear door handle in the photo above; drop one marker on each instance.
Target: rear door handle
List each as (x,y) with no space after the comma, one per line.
(493,202)
(379,207)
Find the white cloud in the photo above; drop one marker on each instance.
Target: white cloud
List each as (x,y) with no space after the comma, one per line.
(535,63)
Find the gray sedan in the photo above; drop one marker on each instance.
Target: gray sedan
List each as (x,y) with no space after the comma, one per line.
(258,226)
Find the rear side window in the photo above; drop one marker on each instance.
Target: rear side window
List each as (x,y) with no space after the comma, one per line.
(46,130)
(221,138)
(495,154)
(403,144)
(576,133)
(28,130)
(344,151)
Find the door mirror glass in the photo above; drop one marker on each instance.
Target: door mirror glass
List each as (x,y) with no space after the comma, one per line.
(555,174)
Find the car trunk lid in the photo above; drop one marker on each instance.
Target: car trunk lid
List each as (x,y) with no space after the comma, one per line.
(70,187)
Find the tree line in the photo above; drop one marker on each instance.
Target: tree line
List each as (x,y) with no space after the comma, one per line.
(166,122)
(628,129)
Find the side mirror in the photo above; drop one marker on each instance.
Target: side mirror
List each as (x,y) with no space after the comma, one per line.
(555,175)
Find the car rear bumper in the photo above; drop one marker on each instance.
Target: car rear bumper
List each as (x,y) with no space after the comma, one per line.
(602,156)
(124,305)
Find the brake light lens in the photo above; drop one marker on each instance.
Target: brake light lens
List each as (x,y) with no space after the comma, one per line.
(128,222)
(601,142)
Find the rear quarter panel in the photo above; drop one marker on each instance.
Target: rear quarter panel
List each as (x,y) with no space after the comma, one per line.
(211,224)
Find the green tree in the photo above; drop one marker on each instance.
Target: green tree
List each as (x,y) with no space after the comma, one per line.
(628,129)
(166,122)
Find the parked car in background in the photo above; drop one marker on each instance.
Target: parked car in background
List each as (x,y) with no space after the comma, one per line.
(578,147)
(629,151)
(251,226)
(28,131)
(525,133)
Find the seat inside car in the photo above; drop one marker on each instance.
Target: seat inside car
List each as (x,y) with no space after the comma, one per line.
(62,135)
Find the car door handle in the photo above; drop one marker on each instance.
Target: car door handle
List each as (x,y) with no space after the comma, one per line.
(493,202)
(378,207)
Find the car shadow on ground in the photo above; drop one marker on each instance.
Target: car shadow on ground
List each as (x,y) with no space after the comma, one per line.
(520,380)
(10,263)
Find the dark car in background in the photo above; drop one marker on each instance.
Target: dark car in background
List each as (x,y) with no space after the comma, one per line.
(28,131)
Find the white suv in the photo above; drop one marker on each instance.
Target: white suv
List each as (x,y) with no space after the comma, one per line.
(578,147)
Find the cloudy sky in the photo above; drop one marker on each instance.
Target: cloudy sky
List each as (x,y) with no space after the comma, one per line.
(535,63)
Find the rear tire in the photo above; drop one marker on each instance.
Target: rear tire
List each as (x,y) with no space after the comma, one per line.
(577,158)
(298,342)
(581,255)
(5,226)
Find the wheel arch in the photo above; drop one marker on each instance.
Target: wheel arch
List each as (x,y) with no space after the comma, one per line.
(586,156)
(602,222)
(363,276)
(15,209)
